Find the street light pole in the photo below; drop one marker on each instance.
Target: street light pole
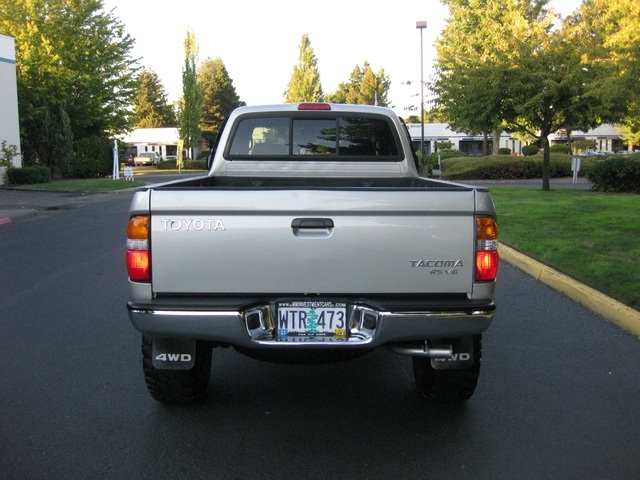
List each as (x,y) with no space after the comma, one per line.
(421,26)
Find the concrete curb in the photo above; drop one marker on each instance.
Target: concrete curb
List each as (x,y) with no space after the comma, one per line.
(614,311)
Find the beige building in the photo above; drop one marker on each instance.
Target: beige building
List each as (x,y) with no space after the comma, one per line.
(9,124)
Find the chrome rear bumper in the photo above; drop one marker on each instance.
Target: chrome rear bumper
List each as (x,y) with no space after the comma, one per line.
(255,327)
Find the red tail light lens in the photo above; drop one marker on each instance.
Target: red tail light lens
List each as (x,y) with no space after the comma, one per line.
(138,259)
(138,265)
(487,265)
(487,258)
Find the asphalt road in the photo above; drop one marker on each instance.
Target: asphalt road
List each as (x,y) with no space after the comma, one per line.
(558,396)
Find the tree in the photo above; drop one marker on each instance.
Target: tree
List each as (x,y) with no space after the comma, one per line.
(608,32)
(71,56)
(219,97)
(365,87)
(475,64)
(50,140)
(510,66)
(191,104)
(305,85)
(151,109)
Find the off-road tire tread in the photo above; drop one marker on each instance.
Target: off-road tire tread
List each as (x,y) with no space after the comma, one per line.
(177,386)
(448,386)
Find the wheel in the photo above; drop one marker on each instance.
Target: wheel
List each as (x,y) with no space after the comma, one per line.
(448,385)
(177,386)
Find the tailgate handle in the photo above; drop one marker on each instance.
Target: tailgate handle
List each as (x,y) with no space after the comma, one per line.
(311,223)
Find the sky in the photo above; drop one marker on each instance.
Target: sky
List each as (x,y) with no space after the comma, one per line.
(259,41)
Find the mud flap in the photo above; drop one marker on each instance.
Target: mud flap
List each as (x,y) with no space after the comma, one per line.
(174,353)
(462,355)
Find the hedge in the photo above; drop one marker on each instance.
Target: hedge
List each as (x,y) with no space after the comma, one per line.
(28,175)
(186,165)
(615,175)
(507,168)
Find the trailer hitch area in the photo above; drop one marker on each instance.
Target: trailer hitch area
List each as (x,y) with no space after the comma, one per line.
(449,354)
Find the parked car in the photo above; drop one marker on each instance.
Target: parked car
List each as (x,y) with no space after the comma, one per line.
(147,158)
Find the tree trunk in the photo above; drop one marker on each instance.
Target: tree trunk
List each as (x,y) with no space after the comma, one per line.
(546,161)
(496,141)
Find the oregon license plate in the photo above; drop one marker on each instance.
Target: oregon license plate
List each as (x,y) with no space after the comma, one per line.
(305,320)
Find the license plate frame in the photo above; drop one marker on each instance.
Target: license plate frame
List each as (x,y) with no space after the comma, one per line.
(305,320)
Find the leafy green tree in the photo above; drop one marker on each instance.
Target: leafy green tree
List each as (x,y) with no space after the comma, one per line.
(553,87)
(219,97)
(503,64)
(475,63)
(631,134)
(608,30)
(70,54)
(365,87)
(151,109)
(430,116)
(191,104)
(305,85)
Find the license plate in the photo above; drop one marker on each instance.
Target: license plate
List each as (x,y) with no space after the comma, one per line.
(305,320)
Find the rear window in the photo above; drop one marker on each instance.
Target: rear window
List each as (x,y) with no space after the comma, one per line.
(314,138)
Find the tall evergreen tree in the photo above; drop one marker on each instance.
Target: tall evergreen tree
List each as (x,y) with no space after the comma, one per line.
(305,85)
(219,97)
(191,104)
(151,109)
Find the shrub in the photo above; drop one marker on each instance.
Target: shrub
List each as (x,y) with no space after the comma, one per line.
(200,164)
(431,160)
(504,151)
(529,150)
(443,145)
(28,175)
(167,165)
(508,168)
(582,145)
(615,175)
(559,148)
(186,165)
(93,158)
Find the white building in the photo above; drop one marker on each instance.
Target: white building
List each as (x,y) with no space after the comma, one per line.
(472,145)
(9,120)
(161,140)
(607,137)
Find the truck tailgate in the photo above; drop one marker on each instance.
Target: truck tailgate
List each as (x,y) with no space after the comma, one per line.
(298,241)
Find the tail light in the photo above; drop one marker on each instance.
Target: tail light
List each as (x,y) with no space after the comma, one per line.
(487,258)
(138,259)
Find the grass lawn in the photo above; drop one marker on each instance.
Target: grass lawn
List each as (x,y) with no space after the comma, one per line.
(84,185)
(592,237)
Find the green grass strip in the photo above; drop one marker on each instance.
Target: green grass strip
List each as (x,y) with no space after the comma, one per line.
(592,237)
(84,185)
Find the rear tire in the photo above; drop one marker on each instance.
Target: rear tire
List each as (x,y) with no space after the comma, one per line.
(448,386)
(177,386)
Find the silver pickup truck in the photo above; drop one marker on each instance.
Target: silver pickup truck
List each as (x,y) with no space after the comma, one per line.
(311,239)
